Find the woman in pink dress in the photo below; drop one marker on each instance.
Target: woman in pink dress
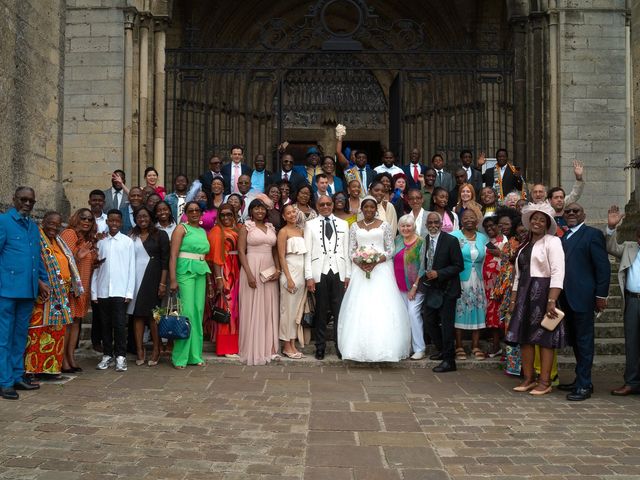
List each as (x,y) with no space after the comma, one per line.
(259,307)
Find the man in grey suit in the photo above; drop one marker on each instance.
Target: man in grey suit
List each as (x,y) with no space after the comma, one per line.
(117,196)
(629,280)
(443,179)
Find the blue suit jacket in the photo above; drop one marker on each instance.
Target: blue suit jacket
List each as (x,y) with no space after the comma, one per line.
(587,270)
(126,226)
(408,171)
(20,263)
(226,175)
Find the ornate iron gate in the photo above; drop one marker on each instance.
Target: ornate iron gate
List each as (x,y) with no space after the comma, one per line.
(438,101)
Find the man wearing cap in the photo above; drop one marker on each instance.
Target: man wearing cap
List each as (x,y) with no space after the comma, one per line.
(231,172)
(586,287)
(312,168)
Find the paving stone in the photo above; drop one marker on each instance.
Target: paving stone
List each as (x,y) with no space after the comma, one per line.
(343,456)
(392,439)
(414,457)
(349,421)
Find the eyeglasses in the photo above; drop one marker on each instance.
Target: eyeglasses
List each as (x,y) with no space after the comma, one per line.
(86,219)
(226,214)
(194,210)
(572,210)
(325,204)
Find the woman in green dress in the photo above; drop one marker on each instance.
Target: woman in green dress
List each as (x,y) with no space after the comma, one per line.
(188,271)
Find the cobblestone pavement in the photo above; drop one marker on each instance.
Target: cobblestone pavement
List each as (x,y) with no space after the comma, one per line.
(329,422)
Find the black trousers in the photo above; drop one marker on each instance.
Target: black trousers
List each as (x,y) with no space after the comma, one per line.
(96,325)
(632,341)
(113,316)
(439,325)
(329,293)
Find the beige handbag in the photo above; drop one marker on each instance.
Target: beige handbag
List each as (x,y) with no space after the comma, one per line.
(549,323)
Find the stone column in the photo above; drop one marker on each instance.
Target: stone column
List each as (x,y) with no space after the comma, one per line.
(554,107)
(159,81)
(143,93)
(129,18)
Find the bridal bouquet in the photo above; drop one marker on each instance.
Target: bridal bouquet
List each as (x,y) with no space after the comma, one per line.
(341,131)
(366,256)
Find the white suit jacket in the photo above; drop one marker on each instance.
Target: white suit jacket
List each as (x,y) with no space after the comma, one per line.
(626,253)
(314,258)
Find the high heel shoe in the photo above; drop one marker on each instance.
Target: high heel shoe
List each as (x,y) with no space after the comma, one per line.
(525,386)
(152,363)
(140,362)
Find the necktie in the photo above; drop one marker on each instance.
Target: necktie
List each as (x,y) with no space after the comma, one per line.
(363,179)
(328,229)
(116,202)
(431,253)
(439,177)
(415,173)
(236,174)
(285,176)
(330,190)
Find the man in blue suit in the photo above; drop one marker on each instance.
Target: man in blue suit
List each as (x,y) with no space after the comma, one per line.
(22,277)
(231,172)
(414,170)
(586,287)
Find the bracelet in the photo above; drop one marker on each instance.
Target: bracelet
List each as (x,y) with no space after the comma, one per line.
(218,278)
(551,301)
(163,284)
(415,285)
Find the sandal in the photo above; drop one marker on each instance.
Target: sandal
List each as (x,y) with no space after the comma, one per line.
(496,353)
(460,354)
(479,354)
(526,386)
(294,356)
(179,367)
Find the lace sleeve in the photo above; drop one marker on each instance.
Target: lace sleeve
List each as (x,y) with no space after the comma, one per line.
(353,244)
(388,240)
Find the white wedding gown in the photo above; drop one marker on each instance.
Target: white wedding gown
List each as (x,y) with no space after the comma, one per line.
(373,325)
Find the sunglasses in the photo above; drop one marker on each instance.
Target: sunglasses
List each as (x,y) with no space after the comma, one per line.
(86,219)
(324,204)
(572,210)
(226,214)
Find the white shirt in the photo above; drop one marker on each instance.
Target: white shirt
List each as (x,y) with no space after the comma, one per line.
(236,172)
(169,228)
(502,169)
(182,200)
(101,223)
(288,174)
(392,170)
(468,170)
(572,230)
(116,277)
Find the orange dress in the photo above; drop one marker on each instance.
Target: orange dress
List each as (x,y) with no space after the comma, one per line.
(80,305)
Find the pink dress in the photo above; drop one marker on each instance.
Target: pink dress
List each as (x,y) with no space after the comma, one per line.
(259,307)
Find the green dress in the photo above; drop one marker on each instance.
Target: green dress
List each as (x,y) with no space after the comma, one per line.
(192,288)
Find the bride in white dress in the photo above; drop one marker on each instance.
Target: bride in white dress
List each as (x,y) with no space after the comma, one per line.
(373,325)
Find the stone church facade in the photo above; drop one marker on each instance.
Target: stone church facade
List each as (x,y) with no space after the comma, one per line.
(87,86)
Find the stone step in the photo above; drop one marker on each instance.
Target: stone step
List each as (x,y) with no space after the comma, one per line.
(609,330)
(603,346)
(610,315)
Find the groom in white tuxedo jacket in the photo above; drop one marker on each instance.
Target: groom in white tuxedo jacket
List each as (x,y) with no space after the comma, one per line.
(327,268)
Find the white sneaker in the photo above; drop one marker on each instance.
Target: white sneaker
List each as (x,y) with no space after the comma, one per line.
(121,364)
(418,356)
(105,363)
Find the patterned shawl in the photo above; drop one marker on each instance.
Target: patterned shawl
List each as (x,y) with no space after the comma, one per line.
(56,309)
(497,184)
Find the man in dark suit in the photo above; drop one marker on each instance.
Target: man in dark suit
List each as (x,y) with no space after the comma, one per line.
(586,287)
(116,196)
(473,175)
(414,170)
(232,171)
(460,177)
(441,286)
(215,167)
(443,179)
(288,173)
(260,175)
(510,176)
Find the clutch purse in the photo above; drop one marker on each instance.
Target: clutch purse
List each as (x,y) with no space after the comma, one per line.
(172,325)
(220,310)
(266,274)
(309,310)
(549,323)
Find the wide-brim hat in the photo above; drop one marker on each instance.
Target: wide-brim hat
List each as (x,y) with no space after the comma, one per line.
(544,207)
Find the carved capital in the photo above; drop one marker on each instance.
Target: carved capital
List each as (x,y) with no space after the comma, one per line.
(129,18)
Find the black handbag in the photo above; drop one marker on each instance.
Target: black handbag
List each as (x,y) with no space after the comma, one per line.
(221,313)
(172,325)
(309,311)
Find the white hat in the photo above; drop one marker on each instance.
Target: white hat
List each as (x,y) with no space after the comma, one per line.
(544,207)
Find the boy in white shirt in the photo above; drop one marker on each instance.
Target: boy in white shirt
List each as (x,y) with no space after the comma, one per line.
(112,287)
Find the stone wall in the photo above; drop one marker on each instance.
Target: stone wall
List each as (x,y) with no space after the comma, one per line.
(593,105)
(93,96)
(31,72)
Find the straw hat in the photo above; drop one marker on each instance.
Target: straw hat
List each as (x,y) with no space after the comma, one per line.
(544,207)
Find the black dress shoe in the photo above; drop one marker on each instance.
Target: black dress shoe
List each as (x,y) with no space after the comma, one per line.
(445,367)
(567,387)
(579,394)
(319,353)
(436,356)
(26,384)
(9,393)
